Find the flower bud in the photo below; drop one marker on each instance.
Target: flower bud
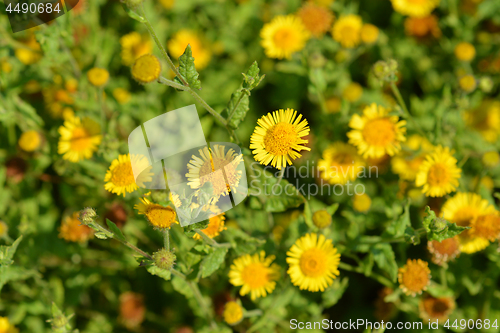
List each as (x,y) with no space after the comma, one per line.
(322,219)
(164,259)
(486,84)
(439,224)
(87,216)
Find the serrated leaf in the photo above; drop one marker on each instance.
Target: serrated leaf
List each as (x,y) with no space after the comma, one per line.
(188,70)
(180,285)
(398,227)
(237,107)
(213,261)
(115,230)
(163,273)
(251,77)
(438,228)
(385,259)
(7,252)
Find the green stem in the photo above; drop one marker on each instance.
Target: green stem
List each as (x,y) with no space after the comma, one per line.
(103,112)
(166,239)
(207,107)
(171,83)
(253,313)
(211,241)
(381,279)
(109,234)
(442,272)
(406,113)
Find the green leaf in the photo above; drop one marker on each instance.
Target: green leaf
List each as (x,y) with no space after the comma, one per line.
(163,273)
(398,227)
(385,259)
(15,273)
(180,285)
(241,241)
(213,261)
(115,230)
(237,107)
(438,228)
(412,236)
(332,295)
(7,252)
(187,69)
(252,78)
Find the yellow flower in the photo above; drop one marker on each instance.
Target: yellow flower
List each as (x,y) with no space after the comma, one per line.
(29,54)
(233,313)
(444,251)
(486,226)
(30,141)
(317,19)
(314,262)
(255,273)
(422,26)
(120,175)
(415,8)
(167,4)
(439,173)
(324,3)
(79,139)
(278,138)
(5,65)
(340,163)
(180,40)
(414,277)
(160,217)
(375,133)
(485,119)
(6,326)
(369,33)
(463,209)
(146,68)
(361,202)
(121,95)
(215,226)
(98,76)
(352,92)
(467,83)
(133,46)
(491,159)
(407,163)
(73,230)
(322,219)
(465,51)
(4,229)
(283,36)
(432,308)
(333,105)
(201,170)
(57,101)
(347,30)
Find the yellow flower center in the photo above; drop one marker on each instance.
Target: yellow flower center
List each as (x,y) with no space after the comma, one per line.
(80,139)
(280,138)
(343,159)
(349,32)
(146,68)
(285,38)
(313,262)
(463,218)
(159,216)
(379,132)
(233,313)
(438,175)
(255,275)
(123,175)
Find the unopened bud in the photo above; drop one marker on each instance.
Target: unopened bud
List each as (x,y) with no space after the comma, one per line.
(486,84)
(59,322)
(322,219)
(439,224)
(87,216)
(380,69)
(164,259)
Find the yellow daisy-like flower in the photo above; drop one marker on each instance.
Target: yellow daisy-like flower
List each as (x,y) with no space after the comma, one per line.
(30,141)
(407,163)
(160,217)
(432,308)
(415,8)
(79,139)
(352,92)
(167,4)
(361,202)
(133,46)
(31,53)
(256,274)
(121,95)
(233,313)
(491,159)
(439,173)
(180,40)
(486,226)
(6,326)
(369,33)
(201,169)
(463,209)
(465,51)
(215,226)
(322,219)
(444,251)
(333,105)
(340,163)
(375,133)
(73,230)
(146,69)
(414,277)
(317,19)
(485,119)
(120,175)
(422,26)
(278,138)
(467,83)
(347,30)
(98,76)
(314,262)
(283,36)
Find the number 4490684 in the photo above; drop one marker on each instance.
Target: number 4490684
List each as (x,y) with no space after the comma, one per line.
(34,8)
(471,324)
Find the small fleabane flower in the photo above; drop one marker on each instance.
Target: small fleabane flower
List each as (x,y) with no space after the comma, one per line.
(322,219)
(433,308)
(369,33)
(72,229)
(347,30)
(486,226)
(467,83)
(79,139)
(491,159)
(159,216)
(352,92)
(215,226)
(164,259)
(98,76)
(121,95)
(317,19)
(283,36)
(361,202)
(414,277)
(422,26)
(120,176)
(30,141)
(340,163)
(444,251)
(133,46)
(167,4)
(233,313)
(313,262)
(87,215)
(146,69)
(333,104)
(6,326)
(415,8)
(485,119)
(465,51)
(200,50)
(278,138)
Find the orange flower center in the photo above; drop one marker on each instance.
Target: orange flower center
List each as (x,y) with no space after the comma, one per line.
(255,275)
(285,38)
(313,262)
(379,132)
(415,278)
(123,175)
(437,175)
(80,139)
(160,216)
(280,138)
(487,226)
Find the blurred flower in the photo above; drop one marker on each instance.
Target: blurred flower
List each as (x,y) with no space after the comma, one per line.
(317,19)
(333,105)
(491,159)
(180,40)
(313,262)
(215,226)
(30,141)
(283,36)
(6,326)
(132,309)
(485,181)
(414,277)
(432,308)
(255,273)
(233,313)
(375,133)
(121,95)
(444,251)
(31,53)
(465,51)
(146,69)
(79,139)
(439,173)
(347,30)
(117,214)
(325,3)
(167,4)
(467,83)
(279,136)
(98,76)
(58,101)
(463,209)
(407,163)
(322,219)
(160,217)
(16,169)
(422,26)
(369,33)
(133,46)
(485,119)
(73,230)
(120,176)
(4,229)
(5,65)
(361,202)
(352,92)
(340,163)
(486,226)
(415,8)
(384,310)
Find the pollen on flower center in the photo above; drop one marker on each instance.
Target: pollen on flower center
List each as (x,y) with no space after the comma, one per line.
(123,175)
(159,213)
(379,132)
(280,138)
(255,275)
(438,175)
(313,263)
